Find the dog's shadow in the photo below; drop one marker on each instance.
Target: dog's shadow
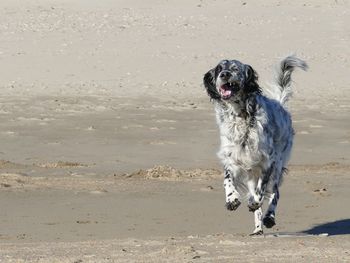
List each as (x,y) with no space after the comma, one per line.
(335,228)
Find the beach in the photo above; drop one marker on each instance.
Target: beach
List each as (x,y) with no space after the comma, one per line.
(109,140)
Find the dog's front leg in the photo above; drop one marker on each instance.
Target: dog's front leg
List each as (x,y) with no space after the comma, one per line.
(231,193)
(257,189)
(258,222)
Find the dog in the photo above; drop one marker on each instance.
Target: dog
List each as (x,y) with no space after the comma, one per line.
(256,133)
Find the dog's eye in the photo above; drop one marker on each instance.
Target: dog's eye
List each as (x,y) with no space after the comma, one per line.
(234,68)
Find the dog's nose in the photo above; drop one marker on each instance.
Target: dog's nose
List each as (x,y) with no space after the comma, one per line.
(225,75)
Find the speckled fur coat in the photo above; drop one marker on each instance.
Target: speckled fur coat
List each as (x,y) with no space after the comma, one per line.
(256,133)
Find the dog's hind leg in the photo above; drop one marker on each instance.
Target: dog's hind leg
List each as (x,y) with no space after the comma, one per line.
(269,218)
(231,193)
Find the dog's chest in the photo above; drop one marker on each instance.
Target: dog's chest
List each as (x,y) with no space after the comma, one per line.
(234,131)
(240,140)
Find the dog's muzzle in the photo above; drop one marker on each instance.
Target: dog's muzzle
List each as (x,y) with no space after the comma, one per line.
(228,89)
(228,85)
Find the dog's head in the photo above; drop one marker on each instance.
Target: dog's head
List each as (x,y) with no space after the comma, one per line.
(229,79)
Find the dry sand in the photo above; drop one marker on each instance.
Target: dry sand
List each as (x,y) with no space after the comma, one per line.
(108,139)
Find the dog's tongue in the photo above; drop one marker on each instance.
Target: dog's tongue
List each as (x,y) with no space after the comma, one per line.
(226,92)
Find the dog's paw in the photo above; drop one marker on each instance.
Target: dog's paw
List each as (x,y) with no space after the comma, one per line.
(253,205)
(233,205)
(269,221)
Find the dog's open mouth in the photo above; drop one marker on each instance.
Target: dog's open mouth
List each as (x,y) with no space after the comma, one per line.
(226,90)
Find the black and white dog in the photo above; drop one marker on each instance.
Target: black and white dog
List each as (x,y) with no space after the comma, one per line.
(256,133)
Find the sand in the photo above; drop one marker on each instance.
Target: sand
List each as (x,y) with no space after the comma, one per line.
(108,140)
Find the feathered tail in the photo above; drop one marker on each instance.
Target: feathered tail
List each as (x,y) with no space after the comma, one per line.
(282,90)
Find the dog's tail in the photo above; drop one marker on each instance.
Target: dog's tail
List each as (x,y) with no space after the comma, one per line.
(282,90)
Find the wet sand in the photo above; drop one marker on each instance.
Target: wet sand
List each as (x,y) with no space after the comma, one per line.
(108,140)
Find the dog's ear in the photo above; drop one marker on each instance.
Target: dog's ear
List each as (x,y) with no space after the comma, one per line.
(251,80)
(209,84)
(250,74)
